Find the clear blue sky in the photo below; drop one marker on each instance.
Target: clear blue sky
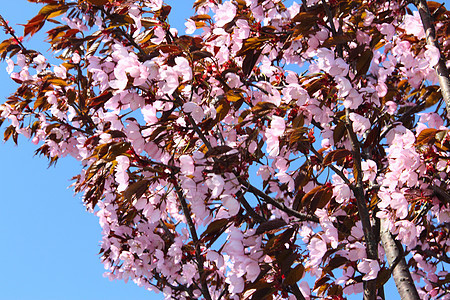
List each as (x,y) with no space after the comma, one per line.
(49,243)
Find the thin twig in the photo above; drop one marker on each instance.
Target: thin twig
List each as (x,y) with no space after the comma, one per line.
(281,206)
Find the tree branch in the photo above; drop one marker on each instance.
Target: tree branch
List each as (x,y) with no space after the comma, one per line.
(190,223)
(399,268)
(441,68)
(297,292)
(9,30)
(370,289)
(249,208)
(266,198)
(335,170)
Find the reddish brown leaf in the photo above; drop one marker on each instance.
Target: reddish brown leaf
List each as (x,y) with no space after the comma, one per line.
(98,2)
(305,18)
(201,18)
(216,151)
(363,62)
(215,227)
(234,95)
(222,109)
(278,241)
(100,99)
(136,190)
(295,275)
(250,60)
(339,132)
(253,43)
(271,225)
(198,55)
(262,108)
(373,136)
(318,197)
(427,136)
(336,40)
(335,156)
(34,25)
(9,131)
(335,263)
(58,82)
(321,281)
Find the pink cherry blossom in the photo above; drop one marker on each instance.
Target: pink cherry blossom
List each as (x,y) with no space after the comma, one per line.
(408,233)
(413,25)
(277,127)
(187,165)
(370,268)
(154,4)
(391,107)
(341,191)
(195,110)
(360,124)
(224,13)
(190,26)
(369,168)
(387,29)
(432,55)
(231,204)
(121,172)
(317,248)
(10,66)
(368,18)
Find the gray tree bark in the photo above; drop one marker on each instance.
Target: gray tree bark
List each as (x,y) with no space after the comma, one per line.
(400,271)
(441,68)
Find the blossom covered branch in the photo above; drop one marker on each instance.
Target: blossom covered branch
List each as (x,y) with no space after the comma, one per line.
(269,141)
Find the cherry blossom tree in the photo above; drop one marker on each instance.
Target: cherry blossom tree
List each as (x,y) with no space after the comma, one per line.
(273,151)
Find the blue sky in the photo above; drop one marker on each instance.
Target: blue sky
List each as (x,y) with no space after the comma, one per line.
(49,246)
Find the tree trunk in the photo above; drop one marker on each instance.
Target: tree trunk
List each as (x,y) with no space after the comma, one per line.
(430,32)
(402,277)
